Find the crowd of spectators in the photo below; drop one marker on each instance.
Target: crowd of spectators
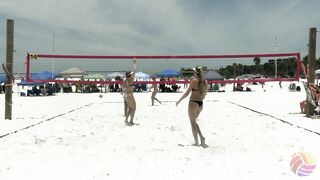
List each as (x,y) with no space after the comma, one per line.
(165,87)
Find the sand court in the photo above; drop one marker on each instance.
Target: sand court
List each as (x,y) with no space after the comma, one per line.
(85,137)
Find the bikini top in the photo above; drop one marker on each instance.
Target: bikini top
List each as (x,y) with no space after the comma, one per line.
(196,89)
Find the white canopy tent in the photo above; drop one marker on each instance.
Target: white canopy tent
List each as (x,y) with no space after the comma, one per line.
(72,73)
(115,74)
(142,75)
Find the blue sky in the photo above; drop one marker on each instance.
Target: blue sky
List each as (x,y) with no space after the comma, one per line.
(154,27)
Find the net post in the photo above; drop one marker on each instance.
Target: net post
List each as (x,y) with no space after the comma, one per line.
(28,67)
(311,63)
(9,66)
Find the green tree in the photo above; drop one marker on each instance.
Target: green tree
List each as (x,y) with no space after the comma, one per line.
(257,61)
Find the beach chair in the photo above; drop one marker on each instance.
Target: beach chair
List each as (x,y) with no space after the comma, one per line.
(292,87)
(216,88)
(79,87)
(311,98)
(66,87)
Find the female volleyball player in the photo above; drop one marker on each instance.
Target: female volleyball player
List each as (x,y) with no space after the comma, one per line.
(128,88)
(124,101)
(197,88)
(155,91)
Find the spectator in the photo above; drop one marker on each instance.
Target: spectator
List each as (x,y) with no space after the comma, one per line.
(35,91)
(303,106)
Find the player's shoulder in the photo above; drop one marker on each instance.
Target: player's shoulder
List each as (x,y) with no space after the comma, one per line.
(194,81)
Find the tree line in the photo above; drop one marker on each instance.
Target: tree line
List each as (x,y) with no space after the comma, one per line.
(286,67)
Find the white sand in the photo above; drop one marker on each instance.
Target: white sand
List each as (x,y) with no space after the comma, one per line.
(82,136)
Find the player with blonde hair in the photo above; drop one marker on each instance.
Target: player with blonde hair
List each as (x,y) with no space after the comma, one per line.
(197,88)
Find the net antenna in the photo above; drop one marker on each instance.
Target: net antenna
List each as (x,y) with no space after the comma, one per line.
(38,57)
(7,72)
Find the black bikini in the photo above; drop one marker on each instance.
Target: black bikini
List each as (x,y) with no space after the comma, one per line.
(200,103)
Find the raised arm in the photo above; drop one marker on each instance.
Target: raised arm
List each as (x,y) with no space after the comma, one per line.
(134,67)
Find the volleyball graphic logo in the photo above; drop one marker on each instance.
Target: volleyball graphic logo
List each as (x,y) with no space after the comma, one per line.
(302,163)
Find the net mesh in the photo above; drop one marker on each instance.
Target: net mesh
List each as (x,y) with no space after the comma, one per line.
(87,69)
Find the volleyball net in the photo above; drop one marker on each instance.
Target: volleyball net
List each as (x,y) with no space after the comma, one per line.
(98,69)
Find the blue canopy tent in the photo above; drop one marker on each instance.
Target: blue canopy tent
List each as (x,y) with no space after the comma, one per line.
(168,73)
(2,79)
(44,75)
(25,83)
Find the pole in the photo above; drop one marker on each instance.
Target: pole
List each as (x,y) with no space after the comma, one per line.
(9,66)
(311,63)
(275,61)
(52,62)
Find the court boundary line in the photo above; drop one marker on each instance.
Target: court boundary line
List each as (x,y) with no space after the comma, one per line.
(283,121)
(46,120)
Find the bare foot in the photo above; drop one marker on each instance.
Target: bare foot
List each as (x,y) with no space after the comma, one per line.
(204,145)
(126,122)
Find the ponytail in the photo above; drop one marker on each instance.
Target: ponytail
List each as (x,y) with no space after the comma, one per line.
(201,83)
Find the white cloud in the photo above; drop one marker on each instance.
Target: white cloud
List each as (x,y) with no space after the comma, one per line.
(160,27)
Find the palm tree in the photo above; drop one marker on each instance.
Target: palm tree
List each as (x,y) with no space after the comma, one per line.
(234,65)
(257,62)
